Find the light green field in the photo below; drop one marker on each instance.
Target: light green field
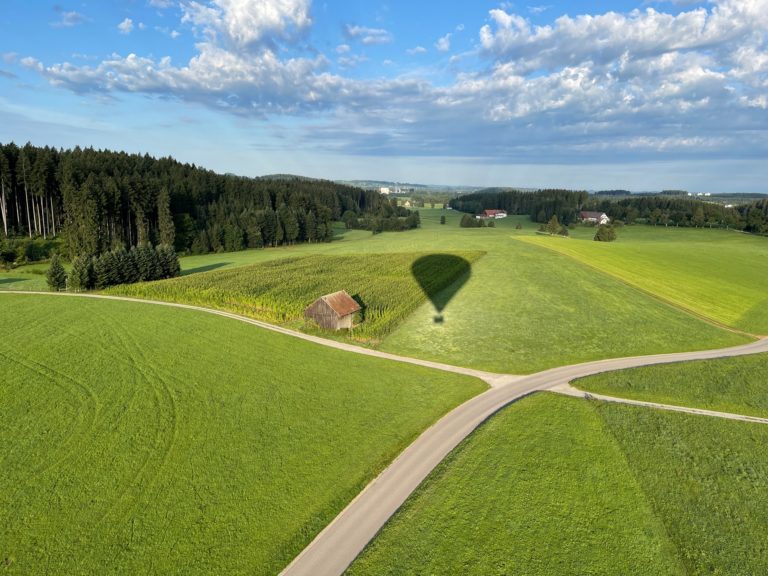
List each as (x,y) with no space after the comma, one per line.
(541,489)
(556,485)
(738,385)
(720,274)
(137,439)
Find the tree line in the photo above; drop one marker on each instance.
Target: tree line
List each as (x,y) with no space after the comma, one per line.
(667,209)
(99,200)
(540,205)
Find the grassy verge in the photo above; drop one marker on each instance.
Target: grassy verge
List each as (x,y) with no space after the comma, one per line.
(540,489)
(727,384)
(138,439)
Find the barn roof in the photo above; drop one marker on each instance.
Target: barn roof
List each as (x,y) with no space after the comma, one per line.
(341,303)
(494,212)
(592,214)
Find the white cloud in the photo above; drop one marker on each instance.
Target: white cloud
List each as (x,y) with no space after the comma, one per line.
(245,23)
(444,44)
(624,85)
(368,36)
(415,51)
(69,19)
(126,26)
(162,4)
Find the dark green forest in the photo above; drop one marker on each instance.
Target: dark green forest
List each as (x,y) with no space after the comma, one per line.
(662,209)
(99,200)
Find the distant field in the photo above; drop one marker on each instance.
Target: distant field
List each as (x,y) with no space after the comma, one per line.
(541,489)
(138,439)
(558,485)
(280,290)
(738,385)
(720,274)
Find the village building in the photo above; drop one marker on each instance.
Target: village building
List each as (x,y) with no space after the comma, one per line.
(333,311)
(594,217)
(492,214)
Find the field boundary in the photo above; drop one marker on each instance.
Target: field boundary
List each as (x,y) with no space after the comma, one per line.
(657,297)
(568,390)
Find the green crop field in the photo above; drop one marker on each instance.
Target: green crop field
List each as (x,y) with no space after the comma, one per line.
(738,385)
(523,308)
(140,439)
(556,485)
(720,274)
(389,286)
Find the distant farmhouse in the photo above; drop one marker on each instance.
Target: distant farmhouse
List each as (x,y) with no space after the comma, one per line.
(333,311)
(492,214)
(594,217)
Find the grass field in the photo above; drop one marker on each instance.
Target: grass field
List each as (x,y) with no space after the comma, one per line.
(541,489)
(524,308)
(719,274)
(556,485)
(137,439)
(389,286)
(738,385)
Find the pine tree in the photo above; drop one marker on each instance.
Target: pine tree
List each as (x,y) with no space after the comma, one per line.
(81,277)
(165,226)
(56,275)
(553,227)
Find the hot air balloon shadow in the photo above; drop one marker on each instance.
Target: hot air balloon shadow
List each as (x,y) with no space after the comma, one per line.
(441,276)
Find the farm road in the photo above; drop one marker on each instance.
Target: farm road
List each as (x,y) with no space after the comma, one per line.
(334,549)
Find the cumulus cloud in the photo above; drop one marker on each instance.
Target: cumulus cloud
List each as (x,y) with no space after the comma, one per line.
(416,50)
(368,36)
(246,24)
(162,4)
(126,26)
(645,84)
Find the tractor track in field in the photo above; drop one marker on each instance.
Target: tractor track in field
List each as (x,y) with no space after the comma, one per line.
(339,543)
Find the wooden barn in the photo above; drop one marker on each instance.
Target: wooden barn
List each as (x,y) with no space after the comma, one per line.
(333,311)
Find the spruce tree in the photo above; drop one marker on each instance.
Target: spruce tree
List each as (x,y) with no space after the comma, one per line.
(165,226)
(81,276)
(56,275)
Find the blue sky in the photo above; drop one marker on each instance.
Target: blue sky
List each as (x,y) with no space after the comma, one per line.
(639,95)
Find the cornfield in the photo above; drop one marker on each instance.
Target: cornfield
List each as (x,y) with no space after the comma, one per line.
(388,286)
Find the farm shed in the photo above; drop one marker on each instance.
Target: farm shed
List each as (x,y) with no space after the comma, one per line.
(333,311)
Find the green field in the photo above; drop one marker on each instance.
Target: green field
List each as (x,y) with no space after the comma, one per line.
(524,308)
(141,439)
(389,286)
(738,385)
(556,485)
(717,273)
(540,489)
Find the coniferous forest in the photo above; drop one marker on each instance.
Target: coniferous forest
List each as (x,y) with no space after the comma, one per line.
(99,201)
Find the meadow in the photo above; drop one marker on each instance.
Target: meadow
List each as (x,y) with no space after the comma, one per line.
(523,309)
(540,489)
(142,439)
(737,385)
(719,274)
(556,485)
